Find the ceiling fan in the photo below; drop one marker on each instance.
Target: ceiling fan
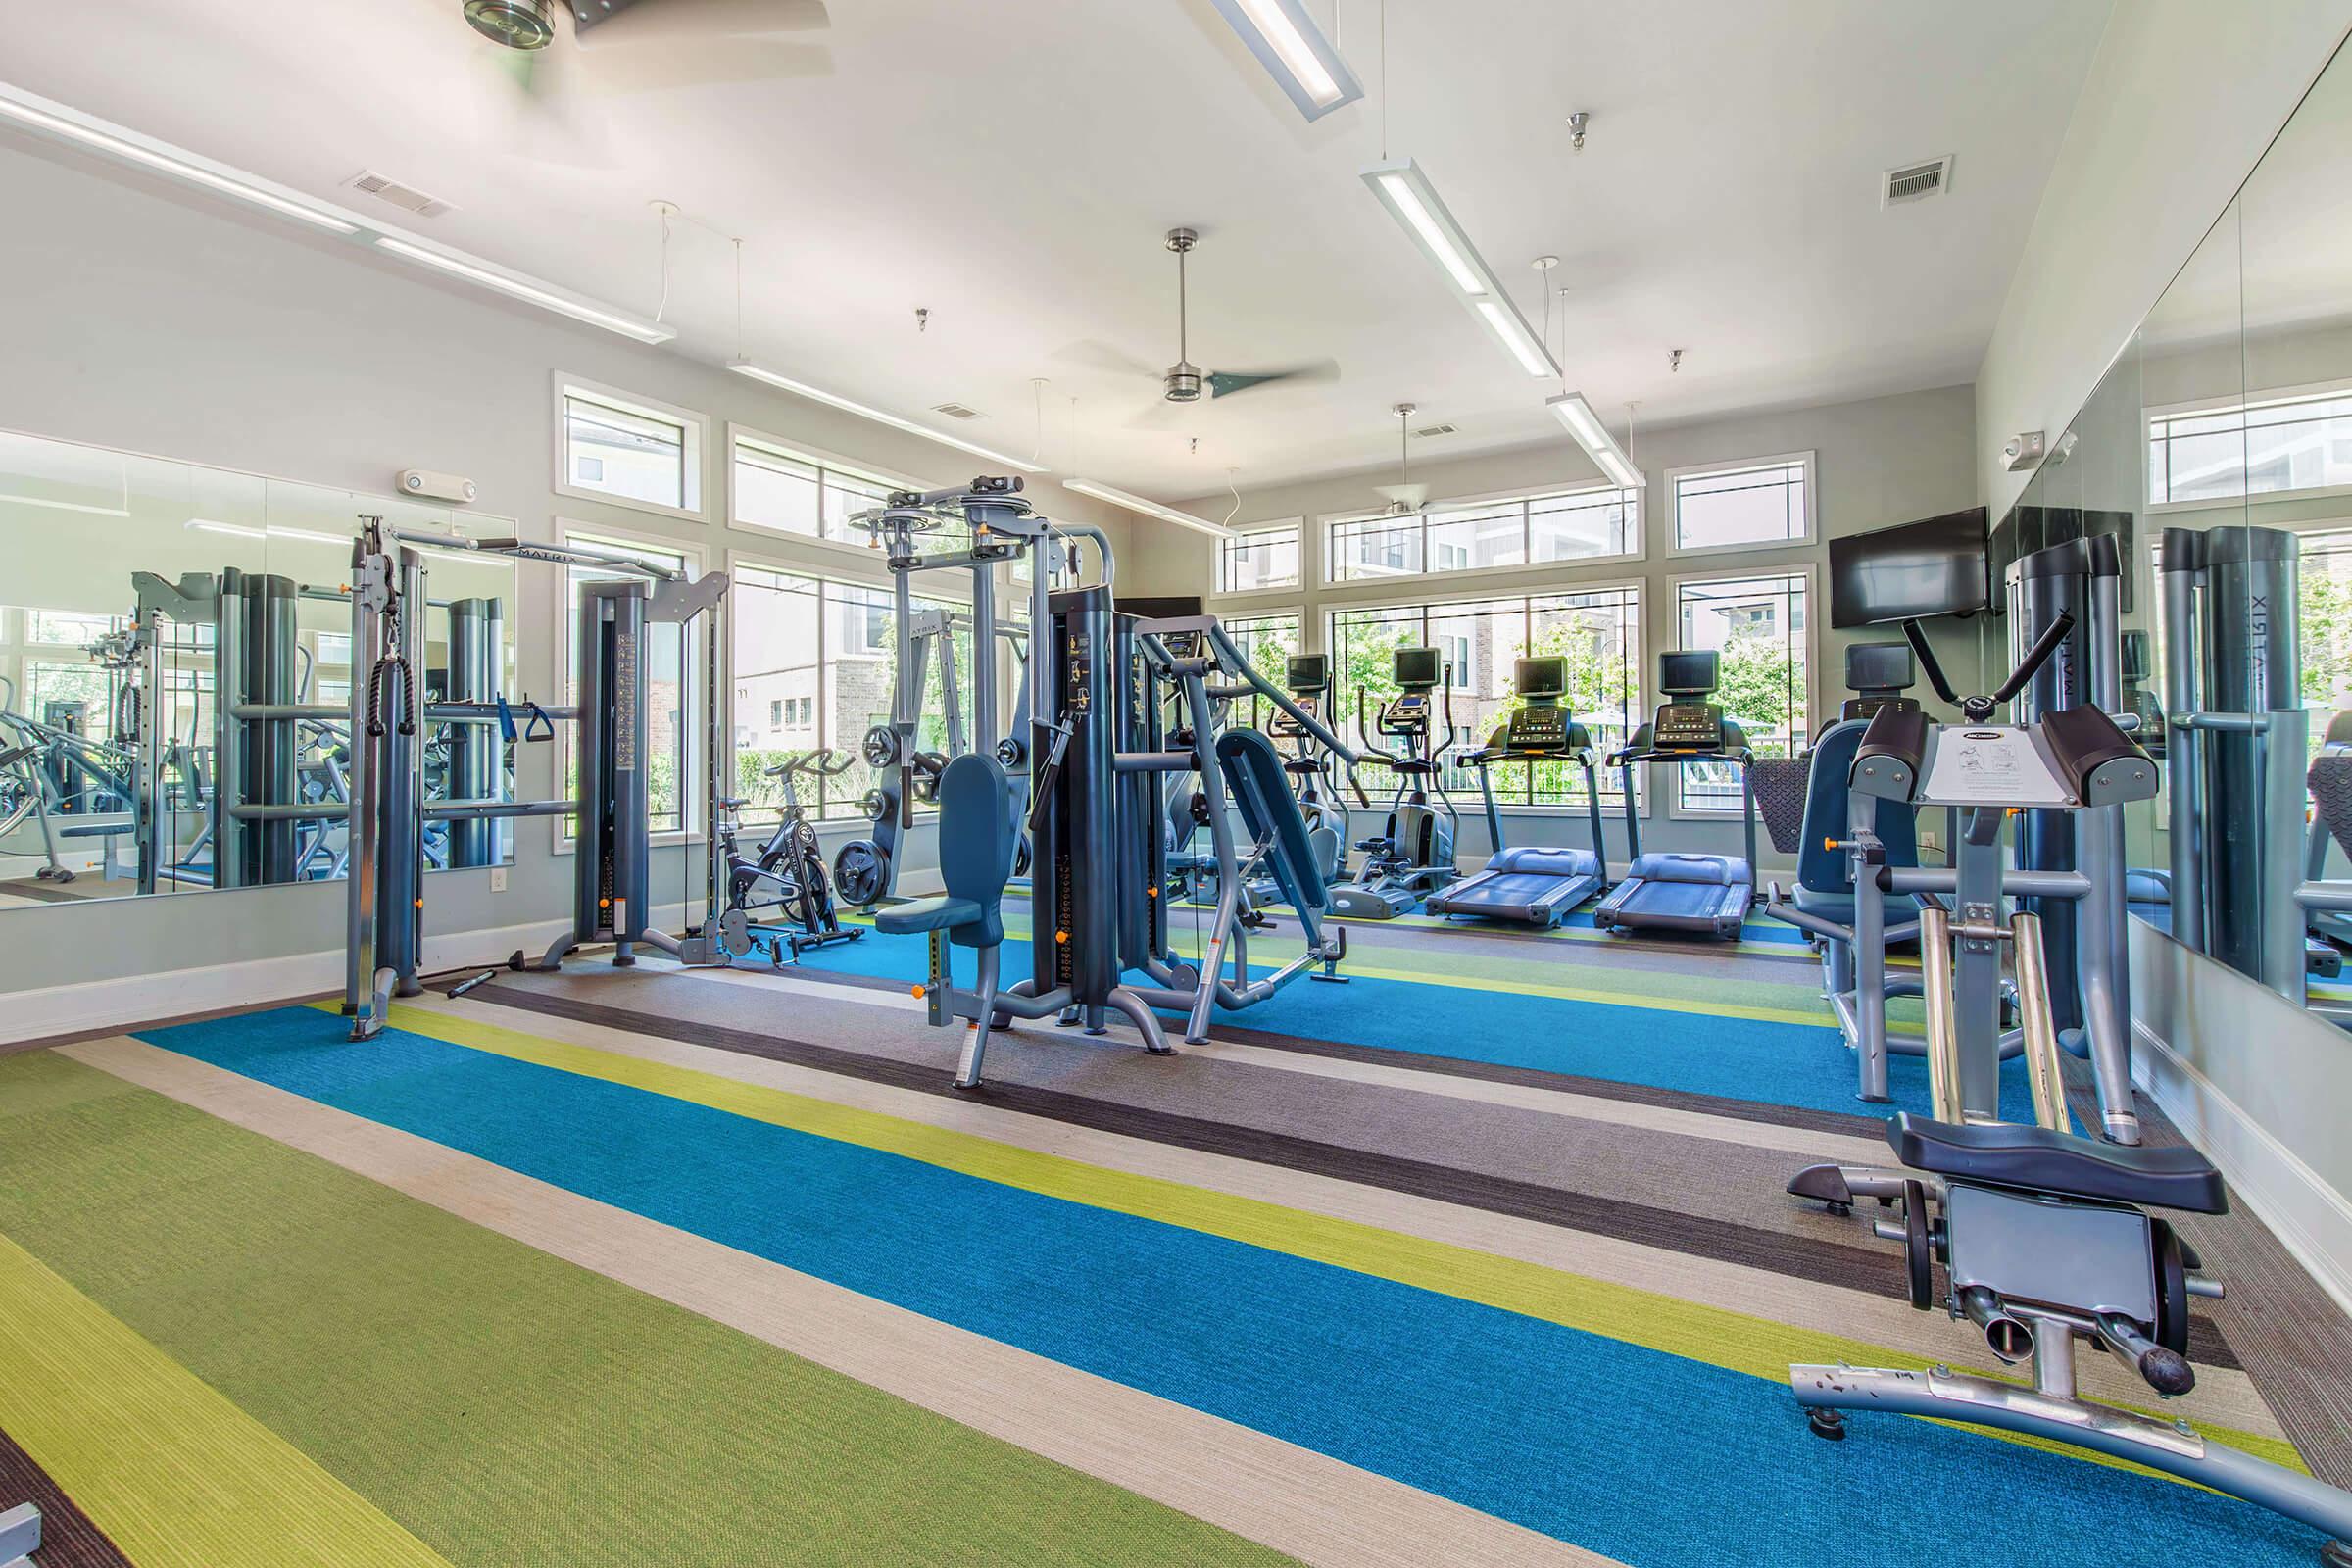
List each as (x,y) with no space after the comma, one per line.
(1404,497)
(1184,382)
(622,46)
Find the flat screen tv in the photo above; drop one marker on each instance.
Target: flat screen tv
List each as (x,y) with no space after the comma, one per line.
(1935,567)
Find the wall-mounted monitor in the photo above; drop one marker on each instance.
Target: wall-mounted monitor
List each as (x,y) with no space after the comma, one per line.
(1935,567)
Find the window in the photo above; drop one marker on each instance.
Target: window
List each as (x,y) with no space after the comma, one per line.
(1750,505)
(1262,557)
(2323,621)
(786,491)
(1268,642)
(817,660)
(2290,441)
(1598,631)
(1757,625)
(670,660)
(1589,524)
(611,446)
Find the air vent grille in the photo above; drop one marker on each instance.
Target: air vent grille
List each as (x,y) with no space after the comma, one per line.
(1915,182)
(1428,430)
(955,411)
(408,198)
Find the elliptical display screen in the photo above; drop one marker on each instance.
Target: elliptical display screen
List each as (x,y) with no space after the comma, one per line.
(1416,667)
(1308,672)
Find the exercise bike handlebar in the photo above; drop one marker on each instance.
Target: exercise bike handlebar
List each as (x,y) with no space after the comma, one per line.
(824,762)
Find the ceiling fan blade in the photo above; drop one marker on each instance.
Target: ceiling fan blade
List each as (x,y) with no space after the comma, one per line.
(602,22)
(1224,383)
(1162,414)
(1094,355)
(530,107)
(660,66)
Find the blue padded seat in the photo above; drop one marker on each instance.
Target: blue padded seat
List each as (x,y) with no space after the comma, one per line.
(1825,882)
(976,839)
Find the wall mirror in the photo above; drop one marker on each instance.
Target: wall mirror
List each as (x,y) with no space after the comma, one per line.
(176,681)
(2218,445)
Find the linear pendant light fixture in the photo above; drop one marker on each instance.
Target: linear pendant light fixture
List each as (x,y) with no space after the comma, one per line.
(757,373)
(1148,509)
(60,123)
(1576,414)
(543,295)
(1294,53)
(1406,193)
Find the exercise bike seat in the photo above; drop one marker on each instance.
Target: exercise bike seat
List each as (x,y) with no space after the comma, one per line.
(2038,1159)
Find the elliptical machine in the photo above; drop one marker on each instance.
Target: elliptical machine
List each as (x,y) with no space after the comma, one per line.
(1414,854)
(2043,1235)
(1311,765)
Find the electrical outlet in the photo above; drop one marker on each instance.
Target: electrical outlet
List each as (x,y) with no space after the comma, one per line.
(498,879)
(1926,841)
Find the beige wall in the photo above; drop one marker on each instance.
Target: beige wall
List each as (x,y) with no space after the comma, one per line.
(2182,97)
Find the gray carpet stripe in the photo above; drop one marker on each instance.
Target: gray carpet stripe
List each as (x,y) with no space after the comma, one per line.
(1811,1258)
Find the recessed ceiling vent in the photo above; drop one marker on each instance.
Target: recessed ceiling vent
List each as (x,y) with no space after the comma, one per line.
(955,411)
(1916,183)
(407,198)
(1428,430)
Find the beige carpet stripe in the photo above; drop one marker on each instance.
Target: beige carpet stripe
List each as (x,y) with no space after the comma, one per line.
(1289,1498)
(1803,1143)
(2224,1395)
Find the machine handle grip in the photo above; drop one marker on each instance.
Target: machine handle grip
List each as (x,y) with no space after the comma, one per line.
(1917,635)
(2056,632)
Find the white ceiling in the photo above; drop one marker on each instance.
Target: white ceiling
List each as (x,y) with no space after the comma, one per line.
(1011,164)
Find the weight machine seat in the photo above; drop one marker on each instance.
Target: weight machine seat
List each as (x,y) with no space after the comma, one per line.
(2039,1159)
(1894,908)
(975,858)
(1269,808)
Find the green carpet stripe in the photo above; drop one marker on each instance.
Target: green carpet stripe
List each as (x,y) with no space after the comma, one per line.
(176,1475)
(504,1406)
(1692,1330)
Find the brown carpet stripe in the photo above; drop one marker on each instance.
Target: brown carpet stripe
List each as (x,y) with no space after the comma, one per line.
(68,1538)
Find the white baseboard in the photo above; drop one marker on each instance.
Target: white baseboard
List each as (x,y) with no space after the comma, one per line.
(2310,1217)
(130,1001)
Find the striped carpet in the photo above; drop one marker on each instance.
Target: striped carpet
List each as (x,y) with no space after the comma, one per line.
(1482,1258)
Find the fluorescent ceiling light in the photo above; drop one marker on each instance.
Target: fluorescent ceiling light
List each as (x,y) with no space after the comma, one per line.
(1294,53)
(71,124)
(1590,434)
(522,288)
(1150,509)
(235,530)
(803,389)
(1410,199)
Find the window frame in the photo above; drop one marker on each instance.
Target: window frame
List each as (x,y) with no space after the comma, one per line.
(1296,527)
(825,462)
(1233,615)
(1808,460)
(1637,535)
(1801,732)
(871,578)
(1636,588)
(696,443)
(690,800)
(2244,402)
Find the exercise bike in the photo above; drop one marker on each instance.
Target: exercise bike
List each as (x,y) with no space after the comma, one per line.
(786,876)
(2043,1237)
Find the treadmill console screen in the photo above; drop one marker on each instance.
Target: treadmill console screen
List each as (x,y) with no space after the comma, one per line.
(1687,727)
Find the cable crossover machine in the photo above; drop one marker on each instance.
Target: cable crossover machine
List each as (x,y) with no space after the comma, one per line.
(389,718)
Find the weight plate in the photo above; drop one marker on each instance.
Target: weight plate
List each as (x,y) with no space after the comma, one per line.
(881,747)
(859,871)
(875,805)
(1010,752)
(1020,856)
(2172,1289)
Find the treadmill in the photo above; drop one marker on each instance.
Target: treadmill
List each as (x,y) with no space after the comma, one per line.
(1534,883)
(1693,894)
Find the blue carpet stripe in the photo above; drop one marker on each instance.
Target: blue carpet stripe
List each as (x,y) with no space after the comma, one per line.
(1653,1460)
(1804,1065)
